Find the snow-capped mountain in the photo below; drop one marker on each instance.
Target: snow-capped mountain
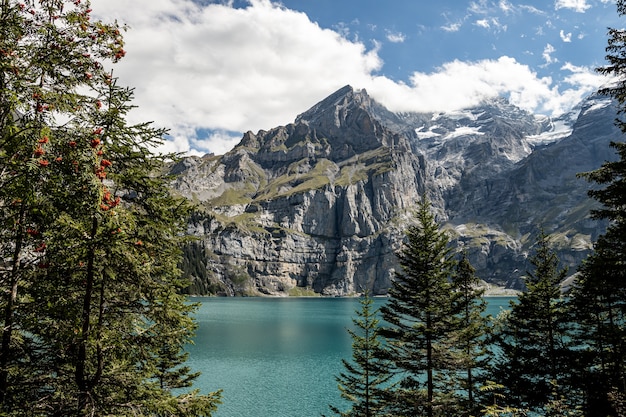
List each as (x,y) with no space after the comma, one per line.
(320,205)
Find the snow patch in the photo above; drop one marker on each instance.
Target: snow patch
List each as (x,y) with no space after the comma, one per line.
(460,114)
(598,104)
(560,129)
(426,135)
(421,134)
(464,131)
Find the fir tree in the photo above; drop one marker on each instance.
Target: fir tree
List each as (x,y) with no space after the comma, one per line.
(470,341)
(599,296)
(418,313)
(533,342)
(93,319)
(364,381)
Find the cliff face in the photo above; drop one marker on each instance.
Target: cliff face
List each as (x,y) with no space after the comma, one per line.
(320,205)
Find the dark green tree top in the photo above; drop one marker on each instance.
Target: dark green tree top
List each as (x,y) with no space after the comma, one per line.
(535,337)
(419,316)
(599,295)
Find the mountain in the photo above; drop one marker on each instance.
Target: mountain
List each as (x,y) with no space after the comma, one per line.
(320,205)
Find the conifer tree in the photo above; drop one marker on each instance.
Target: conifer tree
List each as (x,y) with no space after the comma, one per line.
(470,341)
(364,380)
(93,323)
(599,296)
(533,342)
(418,313)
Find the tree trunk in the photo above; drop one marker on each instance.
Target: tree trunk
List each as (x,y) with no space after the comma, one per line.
(11,299)
(82,381)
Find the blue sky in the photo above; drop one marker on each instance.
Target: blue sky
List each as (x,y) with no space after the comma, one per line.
(422,35)
(210,70)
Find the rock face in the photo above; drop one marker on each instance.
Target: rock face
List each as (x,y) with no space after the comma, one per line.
(321,205)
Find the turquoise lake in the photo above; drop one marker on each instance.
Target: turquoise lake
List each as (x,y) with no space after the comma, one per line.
(276,357)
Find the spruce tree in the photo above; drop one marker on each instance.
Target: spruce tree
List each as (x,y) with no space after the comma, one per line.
(533,343)
(599,296)
(364,381)
(470,340)
(93,322)
(419,323)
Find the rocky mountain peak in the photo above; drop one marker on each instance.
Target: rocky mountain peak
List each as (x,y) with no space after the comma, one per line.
(338,128)
(320,205)
(347,120)
(336,108)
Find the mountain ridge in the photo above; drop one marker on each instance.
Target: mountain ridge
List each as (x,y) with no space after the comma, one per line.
(319,205)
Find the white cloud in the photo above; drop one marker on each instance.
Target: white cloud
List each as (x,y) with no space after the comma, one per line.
(583,77)
(216,67)
(458,85)
(479,7)
(579,6)
(547,54)
(483,23)
(452,27)
(565,37)
(220,70)
(217,142)
(491,23)
(396,37)
(505,6)
(532,9)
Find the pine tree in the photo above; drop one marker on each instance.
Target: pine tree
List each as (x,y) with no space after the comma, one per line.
(470,341)
(418,313)
(365,379)
(534,340)
(599,296)
(93,319)
(599,301)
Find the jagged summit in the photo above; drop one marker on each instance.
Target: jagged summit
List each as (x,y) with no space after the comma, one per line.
(346,116)
(321,204)
(335,107)
(338,128)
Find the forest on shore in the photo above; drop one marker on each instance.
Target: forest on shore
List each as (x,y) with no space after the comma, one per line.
(94,322)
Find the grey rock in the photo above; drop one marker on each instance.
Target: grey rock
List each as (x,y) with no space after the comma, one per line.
(321,205)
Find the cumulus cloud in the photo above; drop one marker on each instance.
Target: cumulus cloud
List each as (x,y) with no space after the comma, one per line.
(579,6)
(208,72)
(460,84)
(221,68)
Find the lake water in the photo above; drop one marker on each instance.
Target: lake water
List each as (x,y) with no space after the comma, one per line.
(276,357)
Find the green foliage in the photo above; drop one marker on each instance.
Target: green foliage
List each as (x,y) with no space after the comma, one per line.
(599,296)
(496,408)
(359,168)
(534,342)
(364,383)
(469,341)
(303,292)
(92,317)
(295,182)
(419,313)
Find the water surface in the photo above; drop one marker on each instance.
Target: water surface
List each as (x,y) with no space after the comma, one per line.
(276,357)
